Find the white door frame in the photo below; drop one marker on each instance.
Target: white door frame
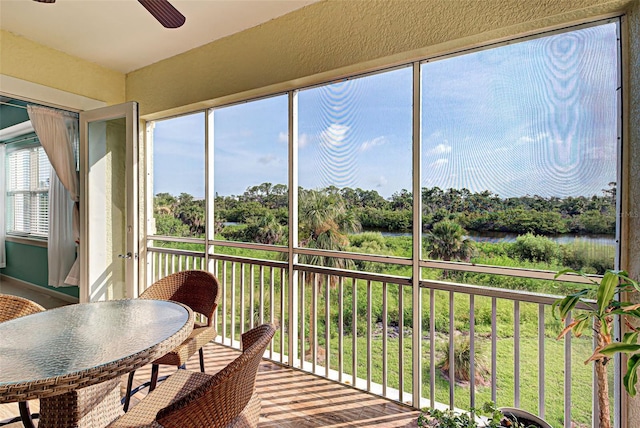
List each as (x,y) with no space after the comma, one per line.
(129,111)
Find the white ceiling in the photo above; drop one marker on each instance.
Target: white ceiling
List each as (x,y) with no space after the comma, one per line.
(123,36)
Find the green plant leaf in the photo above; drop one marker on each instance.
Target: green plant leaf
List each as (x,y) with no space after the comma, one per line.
(580,326)
(606,291)
(630,337)
(614,348)
(565,305)
(631,377)
(565,271)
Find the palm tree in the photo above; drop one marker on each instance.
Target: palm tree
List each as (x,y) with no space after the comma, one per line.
(266,230)
(324,223)
(447,242)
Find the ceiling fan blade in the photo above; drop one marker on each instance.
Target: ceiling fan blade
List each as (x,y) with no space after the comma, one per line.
(45,1)
(164,12)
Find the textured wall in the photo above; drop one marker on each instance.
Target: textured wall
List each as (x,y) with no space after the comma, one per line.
(30,61)
(343,35)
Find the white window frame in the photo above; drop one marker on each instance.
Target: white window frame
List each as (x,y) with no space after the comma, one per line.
(36,189)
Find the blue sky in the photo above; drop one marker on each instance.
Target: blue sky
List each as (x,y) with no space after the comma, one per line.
(537,117)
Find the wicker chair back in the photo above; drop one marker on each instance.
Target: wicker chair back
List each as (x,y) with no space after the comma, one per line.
(197,289)
(217,402)
(15,307)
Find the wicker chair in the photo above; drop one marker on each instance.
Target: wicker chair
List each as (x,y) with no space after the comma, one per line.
(191,399)
(197,289)
(12,307)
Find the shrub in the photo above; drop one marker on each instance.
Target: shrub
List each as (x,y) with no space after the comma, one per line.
(535,248)
(587,257)
(462,360)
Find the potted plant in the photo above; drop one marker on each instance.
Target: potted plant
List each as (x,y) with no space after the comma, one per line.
(496,418)
(602,306)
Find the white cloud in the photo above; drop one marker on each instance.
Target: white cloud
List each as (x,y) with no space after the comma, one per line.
(303,140)
(378,141)
(267,159)
(381,181)
(439,163)
(441,149)
(334,135)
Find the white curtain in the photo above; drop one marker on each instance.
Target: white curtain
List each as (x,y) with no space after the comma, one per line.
(3,194)
(58,134)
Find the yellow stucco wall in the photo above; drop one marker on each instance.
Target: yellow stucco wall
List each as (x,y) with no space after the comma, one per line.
(33,62)
(346,36)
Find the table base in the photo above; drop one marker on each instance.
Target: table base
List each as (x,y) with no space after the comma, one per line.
(92,407)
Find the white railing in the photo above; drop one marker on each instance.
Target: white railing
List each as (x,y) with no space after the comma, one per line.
(328,305)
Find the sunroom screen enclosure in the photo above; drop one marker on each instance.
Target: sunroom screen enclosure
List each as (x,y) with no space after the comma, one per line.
(433,203)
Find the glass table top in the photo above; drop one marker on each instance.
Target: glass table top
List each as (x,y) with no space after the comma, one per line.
(84,336)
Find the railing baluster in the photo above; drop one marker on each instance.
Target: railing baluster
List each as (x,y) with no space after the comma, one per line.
(369,354)
(472,350)
(385,321)
(303,334)
(541,353)
(224,302)
(154,268)
(261,295)
(432,347)
(595,423)
(283,317)
(354,331)
(252,295)
(567,374)
(327,324)
(180,260)
(166,265)
(242,299)
(313,323)
(494,349)
(400,343)
(452,364)
(233,301)
(340,328)
(516,353)
(272,305)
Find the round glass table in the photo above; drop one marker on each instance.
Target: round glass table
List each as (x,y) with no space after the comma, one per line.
(72,357)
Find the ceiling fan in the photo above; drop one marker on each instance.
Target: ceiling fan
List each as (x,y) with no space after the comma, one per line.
(161,10)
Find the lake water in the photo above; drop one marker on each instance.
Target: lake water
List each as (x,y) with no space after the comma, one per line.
(511,237)
(506,237)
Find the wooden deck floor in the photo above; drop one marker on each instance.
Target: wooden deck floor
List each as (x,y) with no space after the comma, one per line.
(291,398)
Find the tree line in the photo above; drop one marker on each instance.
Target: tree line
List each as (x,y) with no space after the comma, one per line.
(263,207)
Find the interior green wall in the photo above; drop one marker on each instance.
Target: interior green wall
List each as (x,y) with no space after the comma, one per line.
(29,263)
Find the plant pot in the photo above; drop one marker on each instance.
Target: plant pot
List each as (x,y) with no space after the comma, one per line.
(524,417)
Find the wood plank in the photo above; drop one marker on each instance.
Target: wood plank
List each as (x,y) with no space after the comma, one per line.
(290,398)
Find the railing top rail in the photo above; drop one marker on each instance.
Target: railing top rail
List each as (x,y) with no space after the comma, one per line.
(175,239)
(500,293)
(390,279)
(377,258)
(250,246)
(175,251)
(506,270)
(249,260)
